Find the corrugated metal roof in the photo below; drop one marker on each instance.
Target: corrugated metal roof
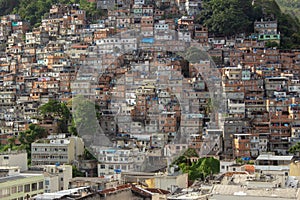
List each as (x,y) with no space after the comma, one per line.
(273,157)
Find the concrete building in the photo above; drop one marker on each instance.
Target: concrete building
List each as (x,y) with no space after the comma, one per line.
(266,163)
(224,165)
(267,30)
(96,183)
(14,158)
(165,182)
(124,160)
(57,177)
(56,150)
(16,185)
(157,180)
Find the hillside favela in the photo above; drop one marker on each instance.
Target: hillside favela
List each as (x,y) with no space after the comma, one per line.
(149,99)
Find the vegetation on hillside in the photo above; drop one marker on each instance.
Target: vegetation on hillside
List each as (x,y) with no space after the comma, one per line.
(288,25)
(295,149)
(201,169)
(7,6)
(58,111)
(29,136)
(231,17)
(228,17)
(34,10)
(290,6)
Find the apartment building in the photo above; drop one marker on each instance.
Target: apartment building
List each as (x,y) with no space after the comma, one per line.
(114,160)
(21,186)
(55,150)
(201,34)
(57,177)
(267,30)
(14,159)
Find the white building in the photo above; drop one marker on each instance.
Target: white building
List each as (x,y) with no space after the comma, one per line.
(16,185)
(56,150)
(224,165)
(57,177)
(14,158)
(269,162)
(124,160)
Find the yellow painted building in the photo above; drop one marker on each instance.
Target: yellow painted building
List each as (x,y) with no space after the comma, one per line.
(21,187)
(295,168)
(165,182)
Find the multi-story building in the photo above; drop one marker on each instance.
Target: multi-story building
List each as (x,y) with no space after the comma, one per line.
(267,30)
(13,159)
(114,160)
(17,185)
(201,34)
(57,177)
(56,150)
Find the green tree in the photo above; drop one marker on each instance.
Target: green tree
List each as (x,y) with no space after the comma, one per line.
(56,110)
(34,10)
(185,157)
(203,168)
(29,136)
(271,44)
(72,128)
(7,6)
(11,142)
(190,153)
(87,155)
(76,172)
(33,133)
(295,149)
(92,13)
(226,17)
(200,169)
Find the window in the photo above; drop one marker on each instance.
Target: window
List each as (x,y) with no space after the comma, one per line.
(6,157)
(4,192)
(27,188)
(20,188)
(14,189)
(286,173)
(34,187)
(46,182)
(41,185)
